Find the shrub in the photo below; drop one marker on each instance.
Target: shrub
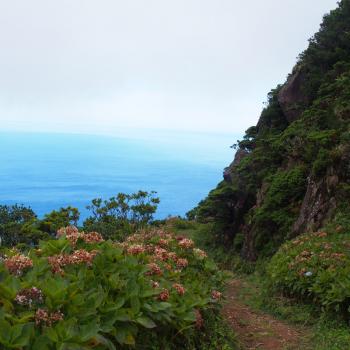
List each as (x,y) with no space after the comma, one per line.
(119,216)
(315,266)
(81,292)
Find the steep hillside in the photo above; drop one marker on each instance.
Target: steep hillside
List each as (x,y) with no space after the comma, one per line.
(291,171)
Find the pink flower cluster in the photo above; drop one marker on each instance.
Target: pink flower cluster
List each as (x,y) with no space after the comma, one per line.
(163,242)
(181,263)
(216,295)
(179,288)
(186,243)
(199,253)
(155,284)
(17,264)
(46,318)
(164,295)
(135,249)
(73,234)
(154,269)
(28,296)
(92,237)
(80,256)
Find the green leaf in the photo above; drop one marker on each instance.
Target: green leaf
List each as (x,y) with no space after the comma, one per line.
(51,334)
(146,322)
(135,304)
(42,343)
(104,341)
(26,334)
(89,331)
(5,332)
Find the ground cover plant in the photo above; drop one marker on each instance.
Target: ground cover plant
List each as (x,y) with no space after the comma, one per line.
(152,291)
(315,267)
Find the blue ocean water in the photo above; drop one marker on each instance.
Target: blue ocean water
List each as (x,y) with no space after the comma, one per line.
(48,171)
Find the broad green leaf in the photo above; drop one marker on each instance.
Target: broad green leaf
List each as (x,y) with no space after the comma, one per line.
(105,341)
(146,322)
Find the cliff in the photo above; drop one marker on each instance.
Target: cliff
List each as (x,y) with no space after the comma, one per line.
(291,172)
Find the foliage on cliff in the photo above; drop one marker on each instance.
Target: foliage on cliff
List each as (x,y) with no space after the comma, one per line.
(292,170)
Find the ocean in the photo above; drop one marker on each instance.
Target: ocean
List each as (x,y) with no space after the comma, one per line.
(48,171)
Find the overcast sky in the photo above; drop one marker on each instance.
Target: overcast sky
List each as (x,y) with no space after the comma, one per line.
(99,66)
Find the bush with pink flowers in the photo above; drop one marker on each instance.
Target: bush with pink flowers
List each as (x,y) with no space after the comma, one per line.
(82,292)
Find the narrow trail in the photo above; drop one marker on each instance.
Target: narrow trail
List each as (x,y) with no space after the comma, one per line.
(256,330)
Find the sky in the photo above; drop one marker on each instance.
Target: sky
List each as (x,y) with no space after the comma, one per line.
(104,66)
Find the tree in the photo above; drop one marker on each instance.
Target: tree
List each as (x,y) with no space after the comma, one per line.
(120,215)
(60,218)
(18,225)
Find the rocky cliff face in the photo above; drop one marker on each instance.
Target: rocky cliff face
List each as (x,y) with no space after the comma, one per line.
(291,172)
(291,97)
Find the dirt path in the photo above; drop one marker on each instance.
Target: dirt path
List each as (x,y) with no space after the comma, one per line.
(258,331)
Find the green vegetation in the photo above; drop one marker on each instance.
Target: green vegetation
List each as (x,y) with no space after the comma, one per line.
(153,291)
(280,219)
(300,145)
(114,218)
(326,331)
(18,224)
(119,216)
(316,267)
(318,304)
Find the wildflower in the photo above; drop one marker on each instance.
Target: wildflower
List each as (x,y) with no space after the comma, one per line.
(179,288)
(133,238)
(80,256)
(56,316)
(199,253)
(172,256)
(154,269)
(164,295)
(92,237)
(199,319)
(160,253)
(163,242)
(68,231)
(17,263)
(28,296)
(305,253)
(167,266)
(135,249)
(181,263)
(327,246)
(216,295)
(71,233)
(186,243)
(43,317)
(155,284)
(308,274)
